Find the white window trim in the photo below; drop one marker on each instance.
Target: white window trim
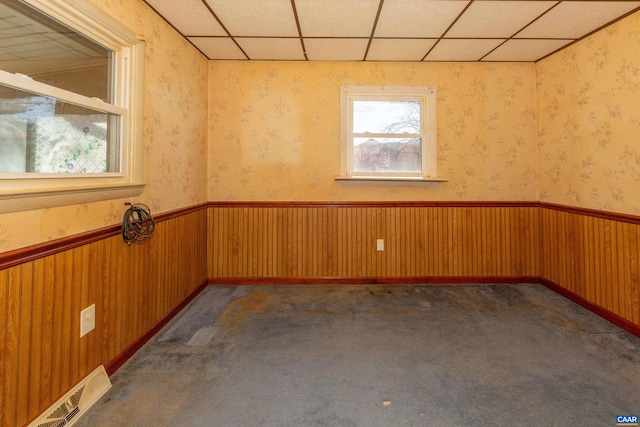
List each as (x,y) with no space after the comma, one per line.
(20,192)
(426,95)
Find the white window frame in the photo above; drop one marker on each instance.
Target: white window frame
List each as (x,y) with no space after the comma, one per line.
(426,95)
(26,191)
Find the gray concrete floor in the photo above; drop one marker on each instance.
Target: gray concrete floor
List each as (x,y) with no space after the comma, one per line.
(466,355)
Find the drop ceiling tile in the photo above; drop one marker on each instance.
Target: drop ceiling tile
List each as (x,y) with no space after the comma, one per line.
(525,50)
(281,49)
(417,18)
(399,49)
(190,17)
(497,18)
(336,49)
(264,18)
(574,19)
(217,47)
(462,49)
(338,29)
(336,18)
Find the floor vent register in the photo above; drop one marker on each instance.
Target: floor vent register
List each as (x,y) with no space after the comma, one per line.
(67,410)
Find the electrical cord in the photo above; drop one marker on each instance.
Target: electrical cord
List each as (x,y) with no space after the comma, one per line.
(137,224)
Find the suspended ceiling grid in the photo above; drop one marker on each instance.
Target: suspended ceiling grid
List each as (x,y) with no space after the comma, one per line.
(387,30)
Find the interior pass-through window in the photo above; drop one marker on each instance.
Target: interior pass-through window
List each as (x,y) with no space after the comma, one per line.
(70,102)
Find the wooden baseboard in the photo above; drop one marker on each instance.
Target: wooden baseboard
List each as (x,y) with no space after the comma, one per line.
(120,359)
(391,280)
(617,320)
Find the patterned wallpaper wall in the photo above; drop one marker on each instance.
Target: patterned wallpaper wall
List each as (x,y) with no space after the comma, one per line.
(175,136)
(589,121)
(274,130)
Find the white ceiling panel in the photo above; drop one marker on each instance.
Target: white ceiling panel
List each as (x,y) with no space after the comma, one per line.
(336,18)
(272,49)
(399,49)
(217,47)
(417,18)
(497,18)
(525,50)
(264,18)
(190,17)
(405,30)
(336,49)
(575,19)
(462,49)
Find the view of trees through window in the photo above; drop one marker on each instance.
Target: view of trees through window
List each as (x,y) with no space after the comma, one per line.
(387,136)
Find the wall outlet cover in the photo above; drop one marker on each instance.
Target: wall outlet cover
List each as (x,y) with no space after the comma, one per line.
(87,320)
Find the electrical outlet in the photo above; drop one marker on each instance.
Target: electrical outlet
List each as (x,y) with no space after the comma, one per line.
(380,244)
(87,320)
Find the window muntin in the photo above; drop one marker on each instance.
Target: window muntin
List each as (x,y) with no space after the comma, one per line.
(388,132)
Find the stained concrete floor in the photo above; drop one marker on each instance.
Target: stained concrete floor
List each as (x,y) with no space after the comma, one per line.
(465,355)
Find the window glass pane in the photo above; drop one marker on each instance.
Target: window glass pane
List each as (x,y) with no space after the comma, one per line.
(51,53)
(386,116)
(40,134)
(387,155)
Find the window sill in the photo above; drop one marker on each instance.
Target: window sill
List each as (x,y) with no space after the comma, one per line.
(40,199)
(390,178)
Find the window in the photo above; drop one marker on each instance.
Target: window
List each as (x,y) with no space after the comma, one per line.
(388,133)
(70,105)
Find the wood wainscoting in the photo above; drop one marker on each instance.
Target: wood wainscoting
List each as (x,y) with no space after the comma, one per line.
(44,288)
(589,256)
(592,258)
(326,243)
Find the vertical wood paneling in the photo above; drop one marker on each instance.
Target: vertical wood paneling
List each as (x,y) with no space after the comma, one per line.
(9,383)
(4,304)
(35,347)
(57,305)
(47,289)
(319,241)
(42,356)
(41,353)
(24,344)
(594,258)
(68,325)
(591,268)
(631,255)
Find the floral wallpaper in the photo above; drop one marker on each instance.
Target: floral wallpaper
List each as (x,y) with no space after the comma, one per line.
(589,121)
(274,130)
(562,130)
(175,136)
